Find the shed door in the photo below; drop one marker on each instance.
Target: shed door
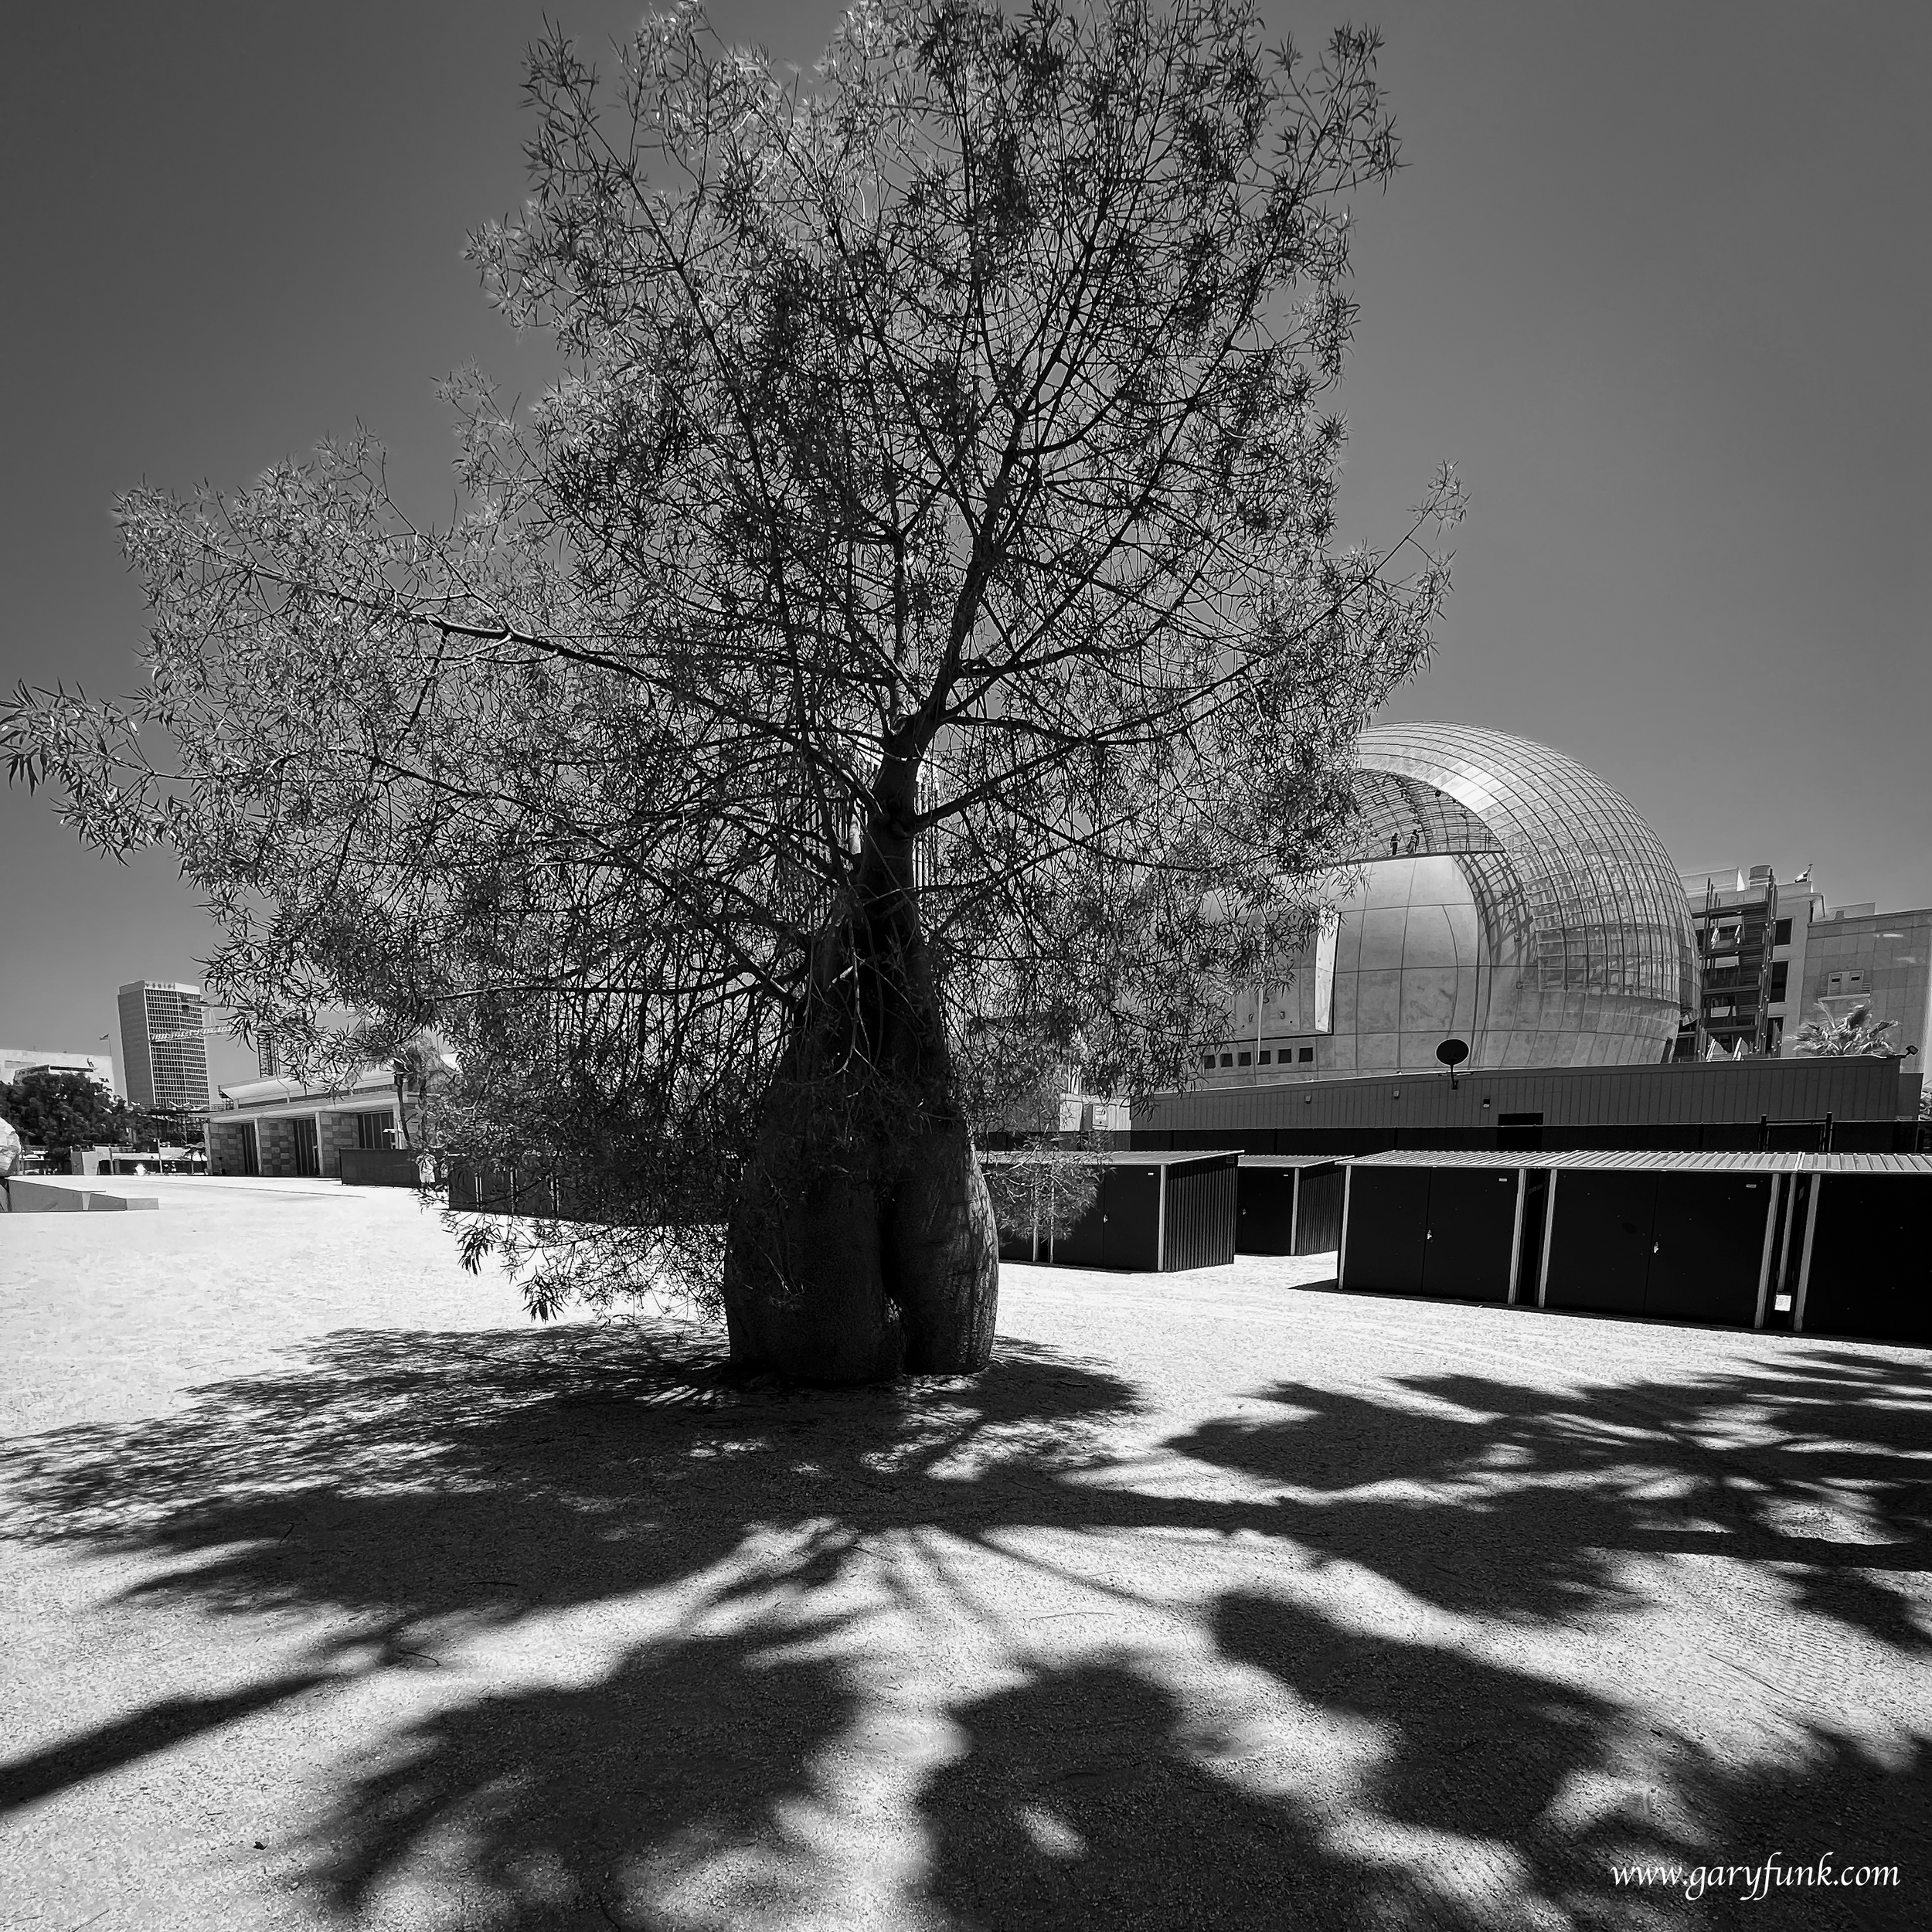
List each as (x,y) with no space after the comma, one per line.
(1388,1229)
(1871,1258)
(1472,1222)
(1266,1199)
(1130,1236)
(1599,1246)
(1707,1245)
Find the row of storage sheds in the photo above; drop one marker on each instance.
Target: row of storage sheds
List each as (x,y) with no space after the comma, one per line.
(1821,1244)
(1836,1244)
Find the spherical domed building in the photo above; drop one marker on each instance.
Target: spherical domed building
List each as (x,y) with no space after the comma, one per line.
(1502,895)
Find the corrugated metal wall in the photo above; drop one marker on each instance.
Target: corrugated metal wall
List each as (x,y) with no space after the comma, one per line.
(1713,1091)
(1742,1090)
(1317,1223)
(1201,1212)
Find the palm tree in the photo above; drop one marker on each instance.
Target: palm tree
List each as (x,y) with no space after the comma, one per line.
(1829,1037)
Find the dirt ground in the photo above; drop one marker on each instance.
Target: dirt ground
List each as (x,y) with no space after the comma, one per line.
(336,1593)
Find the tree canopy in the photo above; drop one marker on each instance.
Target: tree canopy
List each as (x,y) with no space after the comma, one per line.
(53,1109)
(909,646)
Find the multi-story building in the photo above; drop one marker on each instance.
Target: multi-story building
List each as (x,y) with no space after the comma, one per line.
(163,1052)
(16,1060)
(1744,945)
(1773,955)
(1857,956)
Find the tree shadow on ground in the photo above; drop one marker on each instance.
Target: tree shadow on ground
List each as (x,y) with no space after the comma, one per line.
(1089,1796)
(1501,1499)
(688,1768)
(1558,1787)
(423,1489)
(418,1477)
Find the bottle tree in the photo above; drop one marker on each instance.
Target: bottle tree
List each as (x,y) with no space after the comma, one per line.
(908,645)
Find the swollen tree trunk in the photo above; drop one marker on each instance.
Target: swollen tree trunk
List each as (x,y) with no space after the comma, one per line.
(863,1244)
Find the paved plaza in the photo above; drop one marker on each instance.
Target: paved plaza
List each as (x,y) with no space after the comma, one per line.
(338,1594)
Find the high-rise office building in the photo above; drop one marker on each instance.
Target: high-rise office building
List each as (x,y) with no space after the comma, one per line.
(162,1050)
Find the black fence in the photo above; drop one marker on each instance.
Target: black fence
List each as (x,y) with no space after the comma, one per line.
(380,1167)
(480,1187)
(483,1187)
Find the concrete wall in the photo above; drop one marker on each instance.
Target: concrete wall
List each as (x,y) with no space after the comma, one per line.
(338,1132)
(226,1143)
(278,1148)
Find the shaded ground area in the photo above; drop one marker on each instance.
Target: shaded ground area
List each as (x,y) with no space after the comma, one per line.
(336,1594)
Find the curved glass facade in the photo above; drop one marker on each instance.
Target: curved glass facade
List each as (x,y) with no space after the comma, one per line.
(1503,895)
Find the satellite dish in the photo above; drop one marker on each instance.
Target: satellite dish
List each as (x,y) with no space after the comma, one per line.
(1453,1052)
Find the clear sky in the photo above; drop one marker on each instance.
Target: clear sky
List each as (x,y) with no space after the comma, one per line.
(1655,277)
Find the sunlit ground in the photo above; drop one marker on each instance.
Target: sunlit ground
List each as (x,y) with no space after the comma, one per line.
(336,1593)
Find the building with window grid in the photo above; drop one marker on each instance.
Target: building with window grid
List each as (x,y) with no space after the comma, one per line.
(1776,955)
(163,1054)
(1498,893)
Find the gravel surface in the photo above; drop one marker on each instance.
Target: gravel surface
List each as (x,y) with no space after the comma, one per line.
(336,1594)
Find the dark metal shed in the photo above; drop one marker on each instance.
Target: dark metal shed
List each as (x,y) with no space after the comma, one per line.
(1822,1243)
(1422,1225)
(1271,1202)
(1689,1237)
(1863,1236)
(1152,1212)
